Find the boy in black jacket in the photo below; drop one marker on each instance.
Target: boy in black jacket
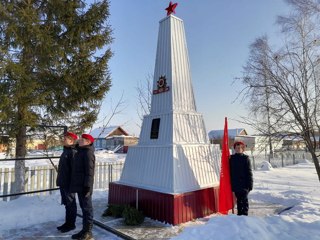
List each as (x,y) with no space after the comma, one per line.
(63,181)
(82,178)
(241,177)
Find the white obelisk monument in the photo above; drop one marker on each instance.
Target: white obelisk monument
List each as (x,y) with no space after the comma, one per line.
(171,174)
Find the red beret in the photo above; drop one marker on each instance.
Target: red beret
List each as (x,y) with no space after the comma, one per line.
(238,143)
(72,135)
(88,136)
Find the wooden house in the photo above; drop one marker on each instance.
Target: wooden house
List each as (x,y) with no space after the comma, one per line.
(113,138)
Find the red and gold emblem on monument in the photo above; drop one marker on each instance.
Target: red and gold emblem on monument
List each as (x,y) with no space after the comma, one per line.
(162,85)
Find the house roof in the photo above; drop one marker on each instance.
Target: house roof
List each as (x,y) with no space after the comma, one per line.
(104,132)
(293,138)
(218,134)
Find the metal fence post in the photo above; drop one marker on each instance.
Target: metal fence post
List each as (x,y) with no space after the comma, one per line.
(104,173)
(12,180)
(55,174)
(44,179)
(253,163)
(26,179)
(38,171)
(293,159)
(109,175)
(51,179)
(100,167)
(32,174)
(6,183)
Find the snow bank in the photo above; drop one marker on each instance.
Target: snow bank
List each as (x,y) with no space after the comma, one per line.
(26,211)
(296,188)
(266,166)
(2,155)
(30,210)
(305,161)
(240,227)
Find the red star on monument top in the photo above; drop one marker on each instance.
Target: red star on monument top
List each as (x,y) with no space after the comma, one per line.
(171,8)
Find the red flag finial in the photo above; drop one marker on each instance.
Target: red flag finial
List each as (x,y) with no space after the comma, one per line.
(171,8)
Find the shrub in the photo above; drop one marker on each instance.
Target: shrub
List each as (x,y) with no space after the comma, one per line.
(132,216)
(114,210)
(107,212)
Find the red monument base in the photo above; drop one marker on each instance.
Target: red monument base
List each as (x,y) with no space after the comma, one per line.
(170,208)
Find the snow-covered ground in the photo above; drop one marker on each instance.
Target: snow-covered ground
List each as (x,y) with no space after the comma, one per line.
(294,187)
(28,211)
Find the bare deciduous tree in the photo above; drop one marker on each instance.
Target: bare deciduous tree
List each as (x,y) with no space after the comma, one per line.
(144,93)
(283,84)
(115,110)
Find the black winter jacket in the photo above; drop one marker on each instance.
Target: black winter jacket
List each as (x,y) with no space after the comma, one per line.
(240,173)
(83,169)
(64,169)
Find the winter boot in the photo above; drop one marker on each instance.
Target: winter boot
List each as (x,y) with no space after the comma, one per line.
(86,236)
(62,226)
(67,228)
(85,233)
(78,235)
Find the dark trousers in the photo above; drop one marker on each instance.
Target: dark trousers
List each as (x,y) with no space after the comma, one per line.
(85,202)
(69,201)
(242,202)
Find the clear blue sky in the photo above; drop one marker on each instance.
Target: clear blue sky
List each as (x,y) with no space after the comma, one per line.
(218,34)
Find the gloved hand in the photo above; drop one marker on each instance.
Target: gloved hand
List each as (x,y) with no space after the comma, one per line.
(86,191)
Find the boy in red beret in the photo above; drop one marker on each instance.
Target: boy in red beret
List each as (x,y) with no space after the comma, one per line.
(63,181)
(241,177)
(82,178)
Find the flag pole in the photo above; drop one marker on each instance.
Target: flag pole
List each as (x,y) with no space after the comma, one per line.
(232,204)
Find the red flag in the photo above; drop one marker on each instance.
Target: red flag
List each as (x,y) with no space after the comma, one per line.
(225,192)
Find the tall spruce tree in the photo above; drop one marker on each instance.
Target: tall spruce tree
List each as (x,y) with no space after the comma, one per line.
(53,66)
